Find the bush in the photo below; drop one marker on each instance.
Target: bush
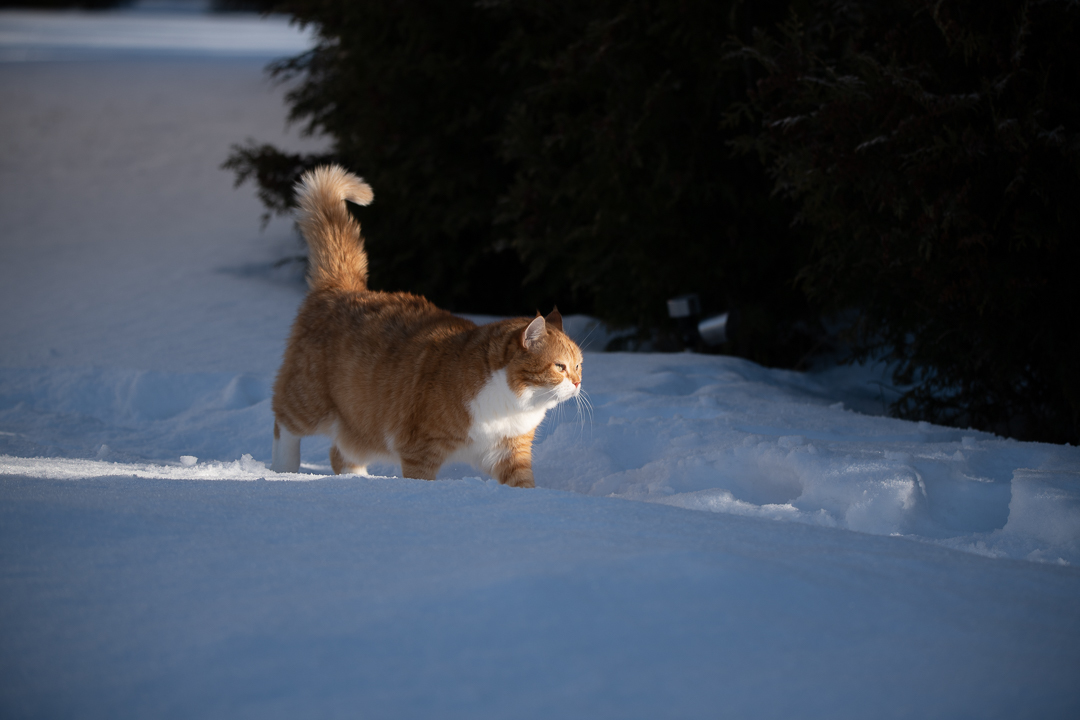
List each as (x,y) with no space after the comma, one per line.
(625,191)
(932,149)
(410,96)
(531,152)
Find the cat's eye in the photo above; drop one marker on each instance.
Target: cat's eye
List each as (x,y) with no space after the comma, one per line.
(561,367)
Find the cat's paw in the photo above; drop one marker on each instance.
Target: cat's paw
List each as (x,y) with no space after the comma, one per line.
(521,479)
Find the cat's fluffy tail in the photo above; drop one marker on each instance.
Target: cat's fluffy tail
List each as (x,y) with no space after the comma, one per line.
(336,257)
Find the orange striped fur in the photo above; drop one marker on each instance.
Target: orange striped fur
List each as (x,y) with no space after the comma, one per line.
(391,377)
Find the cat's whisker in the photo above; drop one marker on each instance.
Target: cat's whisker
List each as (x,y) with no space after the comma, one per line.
(584,344)
(583,398)
(587,404)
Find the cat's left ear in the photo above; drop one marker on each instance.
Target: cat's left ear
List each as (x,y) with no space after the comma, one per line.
(532,335)
(554,318)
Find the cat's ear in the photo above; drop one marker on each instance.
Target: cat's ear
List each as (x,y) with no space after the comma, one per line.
(554,318)
(532,335)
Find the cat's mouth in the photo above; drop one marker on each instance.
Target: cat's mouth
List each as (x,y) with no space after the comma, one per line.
(567,390)
(560,393)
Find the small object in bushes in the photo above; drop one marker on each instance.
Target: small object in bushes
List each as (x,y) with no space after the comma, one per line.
(684,306)
(714,330)
(685,309)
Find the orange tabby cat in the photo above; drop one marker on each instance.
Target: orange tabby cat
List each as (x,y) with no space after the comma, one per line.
(389,376)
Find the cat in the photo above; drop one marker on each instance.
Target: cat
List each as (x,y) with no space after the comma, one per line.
(391,377)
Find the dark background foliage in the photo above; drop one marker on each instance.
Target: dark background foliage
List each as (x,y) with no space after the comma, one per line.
(531,153)
(906,164)
(933,151)
(413,100)
(625,191)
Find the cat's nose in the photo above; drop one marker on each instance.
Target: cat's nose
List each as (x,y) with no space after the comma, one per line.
(577,384)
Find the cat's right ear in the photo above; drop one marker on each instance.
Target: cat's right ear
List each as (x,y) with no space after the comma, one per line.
(531,335)
(554,318)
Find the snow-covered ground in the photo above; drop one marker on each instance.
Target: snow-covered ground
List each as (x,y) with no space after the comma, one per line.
(183,29)
(715,539)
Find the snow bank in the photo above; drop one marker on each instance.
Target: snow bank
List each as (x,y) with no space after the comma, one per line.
(702,433)
(723,435)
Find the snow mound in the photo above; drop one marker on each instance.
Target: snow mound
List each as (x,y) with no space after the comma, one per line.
(702,433)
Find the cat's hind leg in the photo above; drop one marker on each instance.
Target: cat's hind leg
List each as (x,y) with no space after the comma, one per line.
(342,466)
(285,456)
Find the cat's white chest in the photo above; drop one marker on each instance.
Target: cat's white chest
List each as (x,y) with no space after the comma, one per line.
(498,412)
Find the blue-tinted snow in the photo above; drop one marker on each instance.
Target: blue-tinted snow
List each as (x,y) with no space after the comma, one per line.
(146,30)
(715,539)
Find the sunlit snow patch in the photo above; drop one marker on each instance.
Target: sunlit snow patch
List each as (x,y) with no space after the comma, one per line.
(245,468)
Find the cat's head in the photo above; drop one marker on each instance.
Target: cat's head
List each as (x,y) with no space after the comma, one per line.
(547,364)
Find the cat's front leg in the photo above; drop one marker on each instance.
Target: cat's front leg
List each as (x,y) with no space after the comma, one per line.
(514,468)
(520,477)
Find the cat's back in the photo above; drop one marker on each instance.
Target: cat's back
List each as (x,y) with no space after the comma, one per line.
(383,322)
(362,352)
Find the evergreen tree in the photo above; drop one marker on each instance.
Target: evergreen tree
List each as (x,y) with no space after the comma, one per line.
(528,152)
(412,100)
(625,190)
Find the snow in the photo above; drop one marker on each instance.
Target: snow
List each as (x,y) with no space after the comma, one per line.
(29,35)
(713,538)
